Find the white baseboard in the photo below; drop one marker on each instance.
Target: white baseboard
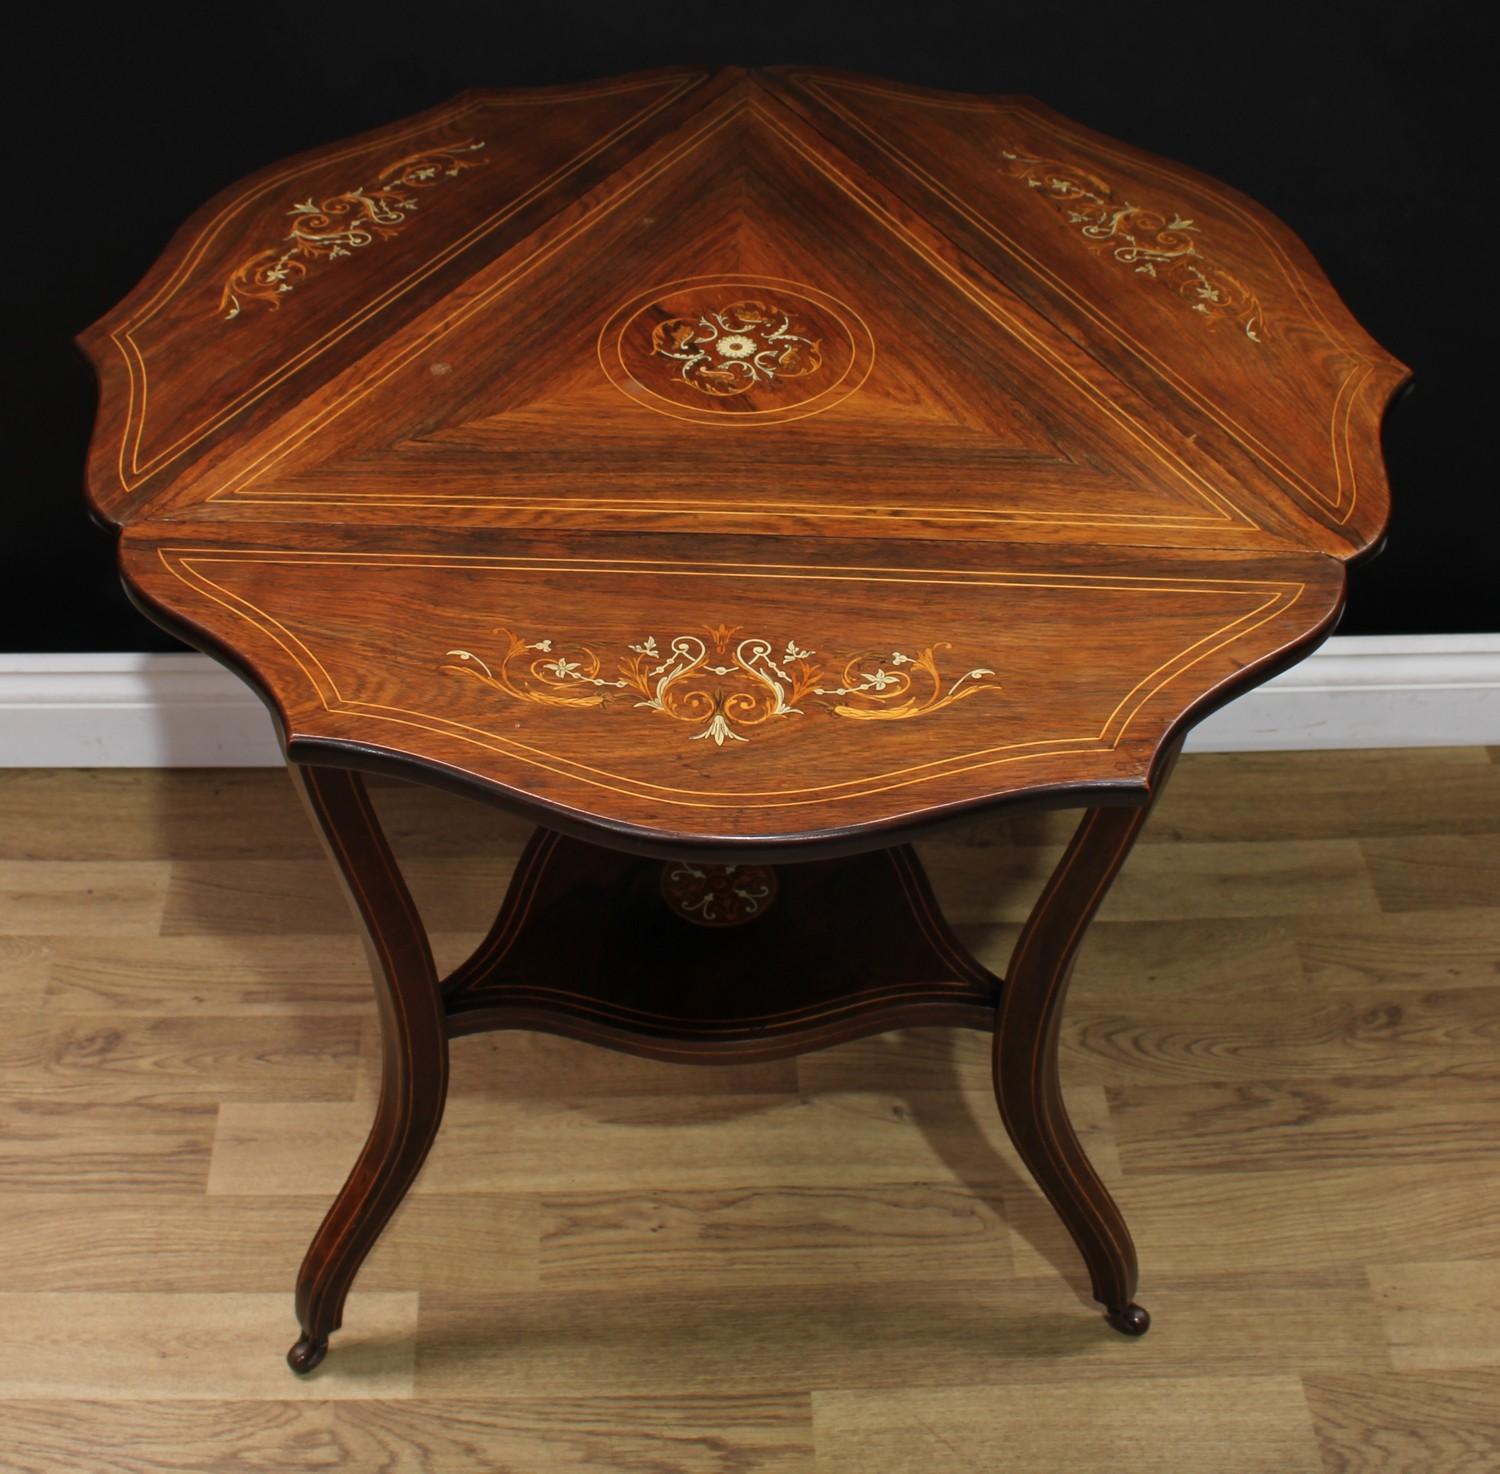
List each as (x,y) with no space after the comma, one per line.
(1369,691)
(130,711)
(140,711)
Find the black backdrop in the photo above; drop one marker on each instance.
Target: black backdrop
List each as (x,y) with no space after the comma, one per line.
(1355,124)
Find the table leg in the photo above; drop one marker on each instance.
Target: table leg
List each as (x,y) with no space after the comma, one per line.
(414,1060)
(1025,1059)
(415,1029)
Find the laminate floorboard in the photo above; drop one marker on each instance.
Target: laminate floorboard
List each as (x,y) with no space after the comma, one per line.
(1282,1049)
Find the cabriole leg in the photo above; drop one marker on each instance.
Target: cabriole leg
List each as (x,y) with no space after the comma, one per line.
(414,1057)
(1025,1059)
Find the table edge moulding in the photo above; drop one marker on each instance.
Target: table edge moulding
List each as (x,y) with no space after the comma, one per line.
(740,474)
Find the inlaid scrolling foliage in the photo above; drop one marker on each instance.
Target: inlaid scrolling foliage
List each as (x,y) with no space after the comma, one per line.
(718,895)
(1154,242)
(341,224)
(736,347)
(724,684)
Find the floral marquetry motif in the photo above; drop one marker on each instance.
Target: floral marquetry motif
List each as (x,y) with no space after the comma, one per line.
(736,350)
(718,895)
(339,225)
(1161,244)
(724,684)
(736,347)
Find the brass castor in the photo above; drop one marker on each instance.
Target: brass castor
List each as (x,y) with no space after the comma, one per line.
(1133,1320)
(306,1355)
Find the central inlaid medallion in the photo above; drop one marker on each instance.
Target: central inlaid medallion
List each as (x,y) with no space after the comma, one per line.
(739,346)
(736,350)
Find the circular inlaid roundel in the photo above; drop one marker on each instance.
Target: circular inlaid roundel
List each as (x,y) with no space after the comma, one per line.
(718,895)
(746,350)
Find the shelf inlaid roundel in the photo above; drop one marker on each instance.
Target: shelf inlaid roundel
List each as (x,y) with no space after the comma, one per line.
(736,350)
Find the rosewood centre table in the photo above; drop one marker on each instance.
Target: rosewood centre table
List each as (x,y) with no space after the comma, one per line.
(739,473)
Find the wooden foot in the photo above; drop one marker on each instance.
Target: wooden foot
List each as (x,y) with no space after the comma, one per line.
(1025,1058)
(1133,1320)
(414,1059)
(306,1355)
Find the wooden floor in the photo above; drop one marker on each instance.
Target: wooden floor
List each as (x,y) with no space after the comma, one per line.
(1283,1050)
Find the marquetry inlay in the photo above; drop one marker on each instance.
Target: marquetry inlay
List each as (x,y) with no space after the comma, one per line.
(340,224)
(718,895)
(1152,241)
(736,350)
(731,350)
(724,682)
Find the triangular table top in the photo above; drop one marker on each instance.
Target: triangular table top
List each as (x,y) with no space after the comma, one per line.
(740,459)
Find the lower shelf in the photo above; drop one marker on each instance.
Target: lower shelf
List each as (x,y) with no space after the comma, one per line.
(711,963)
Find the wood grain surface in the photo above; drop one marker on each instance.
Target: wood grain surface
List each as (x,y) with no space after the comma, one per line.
(712,460)
(830,1263)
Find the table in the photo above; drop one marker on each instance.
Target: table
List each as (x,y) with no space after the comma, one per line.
(739,473)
